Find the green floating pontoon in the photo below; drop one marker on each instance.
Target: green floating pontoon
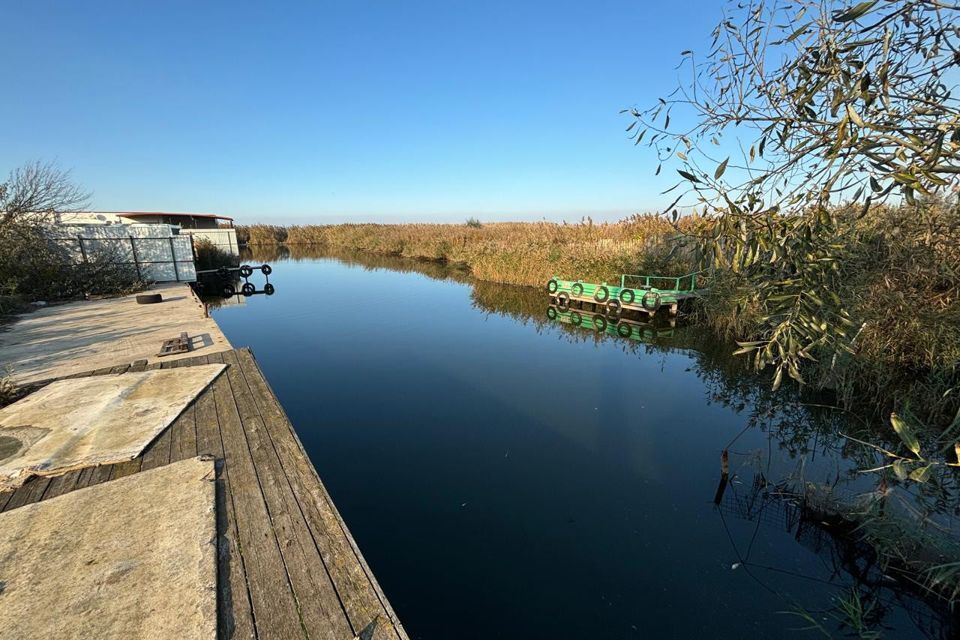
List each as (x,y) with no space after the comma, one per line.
(643,293)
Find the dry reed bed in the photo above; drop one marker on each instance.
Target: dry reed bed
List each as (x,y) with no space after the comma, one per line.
(509,252)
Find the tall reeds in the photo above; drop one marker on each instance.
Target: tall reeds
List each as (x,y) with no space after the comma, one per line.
(510,252)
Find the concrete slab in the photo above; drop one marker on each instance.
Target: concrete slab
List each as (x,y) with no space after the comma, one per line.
(65,339)
(131,558)
(84,422)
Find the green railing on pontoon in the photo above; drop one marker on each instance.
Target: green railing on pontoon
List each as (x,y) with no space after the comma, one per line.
(678,281)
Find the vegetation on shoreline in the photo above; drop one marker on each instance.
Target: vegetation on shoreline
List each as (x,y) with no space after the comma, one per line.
(511,252)
(35,266)
(897,278)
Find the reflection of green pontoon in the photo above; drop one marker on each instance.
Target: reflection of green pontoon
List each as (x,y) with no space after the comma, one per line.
(599,323)
(641,293)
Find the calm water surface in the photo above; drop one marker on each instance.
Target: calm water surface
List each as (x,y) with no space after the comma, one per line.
(510,476)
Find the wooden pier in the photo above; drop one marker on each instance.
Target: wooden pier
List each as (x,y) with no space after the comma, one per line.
(287,565)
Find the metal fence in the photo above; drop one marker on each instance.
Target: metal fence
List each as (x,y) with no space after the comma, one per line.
(156,258)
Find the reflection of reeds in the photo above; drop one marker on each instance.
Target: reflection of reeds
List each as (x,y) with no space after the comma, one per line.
(873,538)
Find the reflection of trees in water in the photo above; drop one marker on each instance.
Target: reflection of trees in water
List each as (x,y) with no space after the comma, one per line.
(368,261)
(800,424)
(852,566)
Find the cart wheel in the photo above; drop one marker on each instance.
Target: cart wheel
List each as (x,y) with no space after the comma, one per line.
(223,272)
(248,289)
(602,294)
(268,289)
(627,296)
(229,290)
(575,318)
(551,313)
(266,269)
(246,271)
(599,323)
(624,329)
(577,289)
(563,300)
(553,285)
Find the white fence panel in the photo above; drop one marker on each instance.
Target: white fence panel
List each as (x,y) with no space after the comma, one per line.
(156,250)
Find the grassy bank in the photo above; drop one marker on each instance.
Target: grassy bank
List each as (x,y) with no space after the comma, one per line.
(508,252)
(898,279)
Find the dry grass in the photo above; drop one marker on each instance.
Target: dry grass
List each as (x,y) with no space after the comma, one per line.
(900,282)
(510,252)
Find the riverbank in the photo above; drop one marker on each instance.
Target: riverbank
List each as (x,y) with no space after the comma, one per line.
(286,564)
(508,252)
(897,283)
(499,426)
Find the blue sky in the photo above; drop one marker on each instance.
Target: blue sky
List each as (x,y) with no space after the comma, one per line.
(353,110)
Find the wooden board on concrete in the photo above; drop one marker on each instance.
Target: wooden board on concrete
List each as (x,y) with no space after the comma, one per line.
(134,558)
(85,422)
(287,564)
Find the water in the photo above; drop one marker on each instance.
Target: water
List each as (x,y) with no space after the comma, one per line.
(510,476)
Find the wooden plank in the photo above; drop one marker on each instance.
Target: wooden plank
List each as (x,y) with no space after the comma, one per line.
(120,368)
(157,452)
(127,468)
(234,610)
(98,474)
(29,492)
(138,365)
(84,478)
(359,592)
(322,614)
(274,607)
(183,436)
(62,484)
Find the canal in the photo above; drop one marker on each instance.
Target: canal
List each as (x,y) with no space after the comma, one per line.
(508,475)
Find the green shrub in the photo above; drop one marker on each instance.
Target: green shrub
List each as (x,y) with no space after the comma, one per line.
(209,256)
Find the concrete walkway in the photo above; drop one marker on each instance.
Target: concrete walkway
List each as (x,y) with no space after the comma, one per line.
(67,339)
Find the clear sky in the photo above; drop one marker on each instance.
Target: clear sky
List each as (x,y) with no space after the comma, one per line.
(351,110)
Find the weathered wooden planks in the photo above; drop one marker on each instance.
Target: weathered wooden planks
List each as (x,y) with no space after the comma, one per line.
(287,565)
(362,597)
(318,602)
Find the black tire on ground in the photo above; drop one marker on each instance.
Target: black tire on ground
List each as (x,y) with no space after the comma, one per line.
(599,323)
(268,289)
(624,329)
(553,285)
(246,271)
(614,309)
(248,289)
(602,294)
(577,289)
(627,296)
(575,318)
(563,300)
(646,304)
(149,298)
(266,269)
